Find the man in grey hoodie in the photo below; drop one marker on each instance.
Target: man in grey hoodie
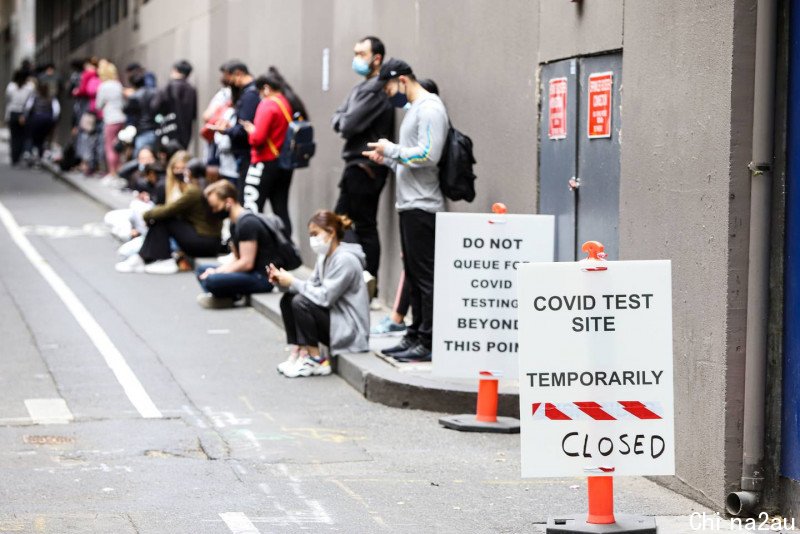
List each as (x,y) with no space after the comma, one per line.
(415,161)
(332,306)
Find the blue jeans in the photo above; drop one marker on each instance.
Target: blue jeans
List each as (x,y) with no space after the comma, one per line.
(233,285)
(144,139)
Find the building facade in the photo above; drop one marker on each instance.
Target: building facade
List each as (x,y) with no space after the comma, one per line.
(668,178)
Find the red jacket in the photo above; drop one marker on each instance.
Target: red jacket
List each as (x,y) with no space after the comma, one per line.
(271,124)
(87,89)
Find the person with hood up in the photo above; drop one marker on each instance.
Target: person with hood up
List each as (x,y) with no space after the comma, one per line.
(331,307)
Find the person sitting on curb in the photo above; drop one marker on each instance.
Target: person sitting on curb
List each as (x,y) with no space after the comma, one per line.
(185,218)
(331,307)
(252,245)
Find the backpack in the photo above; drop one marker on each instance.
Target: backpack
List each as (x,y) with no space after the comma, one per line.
(298,146)
(287,256)
(455,167)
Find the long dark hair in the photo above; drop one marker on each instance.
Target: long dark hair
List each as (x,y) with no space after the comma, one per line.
(276,81)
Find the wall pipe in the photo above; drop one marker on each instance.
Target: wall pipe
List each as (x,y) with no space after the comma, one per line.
(742,502)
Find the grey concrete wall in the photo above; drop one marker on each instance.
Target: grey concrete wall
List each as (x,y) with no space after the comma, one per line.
(687,111)
(569,29)
(686,108)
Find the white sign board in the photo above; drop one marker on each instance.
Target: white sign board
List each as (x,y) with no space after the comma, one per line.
(595,373)
(475,288)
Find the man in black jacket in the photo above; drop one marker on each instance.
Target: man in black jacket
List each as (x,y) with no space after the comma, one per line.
(139,110)
(236,75)
(180,98)
(364,117)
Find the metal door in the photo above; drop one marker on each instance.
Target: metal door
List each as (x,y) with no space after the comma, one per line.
(557,156)
(579,173)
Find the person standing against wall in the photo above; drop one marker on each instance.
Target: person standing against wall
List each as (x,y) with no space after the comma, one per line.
(180,98)
(265,178)
(110,101)
(414,159)
(139,111)
(237,75)
(365,116)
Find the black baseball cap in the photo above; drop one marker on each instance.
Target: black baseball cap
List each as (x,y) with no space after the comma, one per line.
(392,68)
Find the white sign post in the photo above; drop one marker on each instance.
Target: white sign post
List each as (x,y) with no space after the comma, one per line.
(475,289)
(595,373)
(596,379)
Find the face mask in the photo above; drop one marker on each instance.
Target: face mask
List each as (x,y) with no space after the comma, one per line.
(319,245)
(360,66)
(181,177)
(398,99)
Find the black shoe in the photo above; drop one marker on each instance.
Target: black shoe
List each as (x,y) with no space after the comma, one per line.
(417,353)
(405,344)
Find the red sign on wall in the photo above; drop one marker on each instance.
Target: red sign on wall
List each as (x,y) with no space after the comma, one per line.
(600,85)
(557,128)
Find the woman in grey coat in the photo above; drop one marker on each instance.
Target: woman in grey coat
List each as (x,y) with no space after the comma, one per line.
(331,307)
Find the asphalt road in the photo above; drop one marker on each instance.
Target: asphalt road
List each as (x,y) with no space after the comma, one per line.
(231,446)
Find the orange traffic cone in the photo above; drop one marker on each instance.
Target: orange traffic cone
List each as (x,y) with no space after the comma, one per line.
(486,418)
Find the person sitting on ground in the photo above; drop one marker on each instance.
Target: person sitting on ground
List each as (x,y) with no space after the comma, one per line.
(185,218)
(133,171)
(146,178)
(253,247)
(331,307)
(150,192)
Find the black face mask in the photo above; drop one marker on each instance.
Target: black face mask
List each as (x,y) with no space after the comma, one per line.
(222,214)
(181,177)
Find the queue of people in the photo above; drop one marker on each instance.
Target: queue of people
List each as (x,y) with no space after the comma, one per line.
(185,208)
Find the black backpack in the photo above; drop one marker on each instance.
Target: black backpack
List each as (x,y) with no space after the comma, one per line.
(455,167)
(287,256)
(298,146)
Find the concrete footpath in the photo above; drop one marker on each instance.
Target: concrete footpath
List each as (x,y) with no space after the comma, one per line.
(377,378)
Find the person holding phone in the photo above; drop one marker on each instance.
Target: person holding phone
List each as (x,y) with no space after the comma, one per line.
(331,307)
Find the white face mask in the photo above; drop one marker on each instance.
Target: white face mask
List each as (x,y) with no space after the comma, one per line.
(319,244)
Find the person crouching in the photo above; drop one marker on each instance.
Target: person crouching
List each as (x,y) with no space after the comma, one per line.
(331,307)
(252,243)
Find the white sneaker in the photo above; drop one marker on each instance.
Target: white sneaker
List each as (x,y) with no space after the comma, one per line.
(309,367)
(375,304)
(131,248)
(134,264)
(169,266)
(289,363)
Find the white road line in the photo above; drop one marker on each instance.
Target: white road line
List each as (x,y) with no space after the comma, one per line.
(238,523)
(116,362)
(48,411)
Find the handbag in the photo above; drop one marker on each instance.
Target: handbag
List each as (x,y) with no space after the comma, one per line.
(206,132)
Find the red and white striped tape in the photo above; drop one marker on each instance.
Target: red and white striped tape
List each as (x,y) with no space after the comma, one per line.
(596,411)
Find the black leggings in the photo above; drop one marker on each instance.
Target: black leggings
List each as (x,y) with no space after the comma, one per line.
(306,323)
(359,195)
(267,180)
(156,244)
(18,136)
